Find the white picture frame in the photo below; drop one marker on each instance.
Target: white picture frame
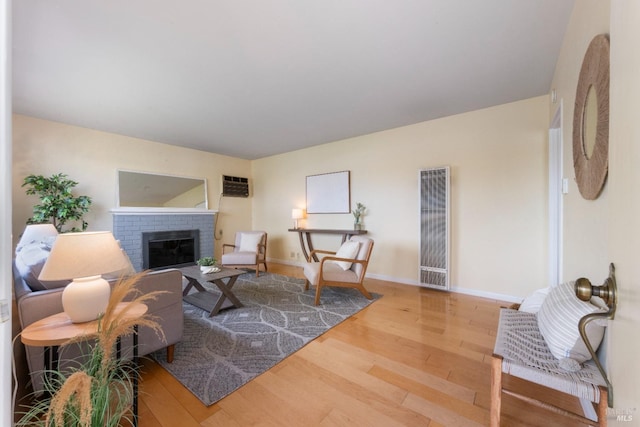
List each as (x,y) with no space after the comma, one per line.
(329,193)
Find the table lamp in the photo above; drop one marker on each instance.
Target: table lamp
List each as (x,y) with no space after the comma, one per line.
(84,258)
(296,214)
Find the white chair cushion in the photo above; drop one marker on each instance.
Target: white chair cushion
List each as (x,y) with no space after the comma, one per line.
(349,249)
(332,272)
(558,323)
(239,258)
(249,242)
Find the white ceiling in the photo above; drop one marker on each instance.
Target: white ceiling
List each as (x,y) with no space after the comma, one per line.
(254,78)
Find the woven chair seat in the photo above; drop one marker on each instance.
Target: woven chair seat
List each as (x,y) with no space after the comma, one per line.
(526,355)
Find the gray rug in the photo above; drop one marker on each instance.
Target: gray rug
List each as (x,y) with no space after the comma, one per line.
(221,353)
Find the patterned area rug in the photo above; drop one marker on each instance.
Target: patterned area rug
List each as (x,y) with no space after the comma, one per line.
(221,353)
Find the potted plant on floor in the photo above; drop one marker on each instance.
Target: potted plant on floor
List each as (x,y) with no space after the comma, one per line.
(100,392)
(57,203)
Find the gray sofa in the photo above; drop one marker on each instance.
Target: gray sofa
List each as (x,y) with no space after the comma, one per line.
(34,305)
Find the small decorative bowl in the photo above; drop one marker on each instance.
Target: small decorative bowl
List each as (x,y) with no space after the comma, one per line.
(208,269)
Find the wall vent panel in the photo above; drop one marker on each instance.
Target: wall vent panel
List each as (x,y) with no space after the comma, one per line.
(434,227)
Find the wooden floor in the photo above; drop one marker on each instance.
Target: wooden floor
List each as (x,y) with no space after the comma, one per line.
(416,357)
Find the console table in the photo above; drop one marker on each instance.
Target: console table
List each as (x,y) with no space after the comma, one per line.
(305,237)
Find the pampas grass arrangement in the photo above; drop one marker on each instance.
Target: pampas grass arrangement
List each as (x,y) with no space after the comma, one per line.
(99,393)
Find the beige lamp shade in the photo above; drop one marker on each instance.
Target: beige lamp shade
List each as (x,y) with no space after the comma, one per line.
(296,214)
(84,257)
(84,254)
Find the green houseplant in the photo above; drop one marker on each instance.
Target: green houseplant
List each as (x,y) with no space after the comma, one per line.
(358,213)
(57,203)
(98,393)
(206,261)
(208,265)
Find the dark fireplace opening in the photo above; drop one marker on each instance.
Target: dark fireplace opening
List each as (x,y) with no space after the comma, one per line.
(163,249)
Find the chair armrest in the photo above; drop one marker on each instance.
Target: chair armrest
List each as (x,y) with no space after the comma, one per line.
(334,258)
(227,245)
(352,261)
(38,305)
(319,251)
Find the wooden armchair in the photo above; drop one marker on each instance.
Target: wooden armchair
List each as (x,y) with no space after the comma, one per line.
(250,249)
(345,268)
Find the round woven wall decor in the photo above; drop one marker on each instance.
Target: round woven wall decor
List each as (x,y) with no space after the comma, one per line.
(591,167)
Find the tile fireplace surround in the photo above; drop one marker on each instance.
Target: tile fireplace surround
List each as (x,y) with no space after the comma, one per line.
(128,226)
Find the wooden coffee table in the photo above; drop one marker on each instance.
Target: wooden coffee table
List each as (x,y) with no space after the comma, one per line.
(207,300)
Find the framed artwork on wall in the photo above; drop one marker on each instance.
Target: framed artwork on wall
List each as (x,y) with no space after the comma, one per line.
(329,193)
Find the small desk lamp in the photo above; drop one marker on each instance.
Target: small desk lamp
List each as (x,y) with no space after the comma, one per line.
(296,214)
(84,257)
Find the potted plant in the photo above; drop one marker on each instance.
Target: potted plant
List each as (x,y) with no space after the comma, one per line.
(358,213)
(57,203)
(100,391)
(207,264)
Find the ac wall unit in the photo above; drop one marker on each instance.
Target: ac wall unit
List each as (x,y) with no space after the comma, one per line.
(235,186)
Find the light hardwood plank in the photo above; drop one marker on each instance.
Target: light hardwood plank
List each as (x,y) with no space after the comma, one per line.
(415,357)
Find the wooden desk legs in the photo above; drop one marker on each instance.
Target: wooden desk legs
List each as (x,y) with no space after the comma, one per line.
(307,245)
(303,246)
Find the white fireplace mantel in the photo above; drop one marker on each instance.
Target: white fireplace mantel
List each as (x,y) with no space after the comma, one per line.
(162,211)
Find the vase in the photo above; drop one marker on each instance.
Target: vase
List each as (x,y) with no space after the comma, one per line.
(357,226)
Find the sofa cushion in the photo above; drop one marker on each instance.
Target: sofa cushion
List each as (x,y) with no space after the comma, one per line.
(239,258)
(30,258)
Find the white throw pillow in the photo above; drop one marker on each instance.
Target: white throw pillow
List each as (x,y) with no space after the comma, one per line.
(558,323)
(533,302)
(249,242)
(348,250)
(30,259)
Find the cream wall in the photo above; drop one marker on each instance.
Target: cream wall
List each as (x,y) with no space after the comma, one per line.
(624,205)
(92,158)
(498,159)
(608,229)
(584,221)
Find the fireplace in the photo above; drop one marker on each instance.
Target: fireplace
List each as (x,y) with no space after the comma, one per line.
(174,248)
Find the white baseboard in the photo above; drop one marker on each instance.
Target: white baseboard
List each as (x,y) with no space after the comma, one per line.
(285,262)
(457,289)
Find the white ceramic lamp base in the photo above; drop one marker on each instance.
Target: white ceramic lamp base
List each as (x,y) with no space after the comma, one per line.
(86,299)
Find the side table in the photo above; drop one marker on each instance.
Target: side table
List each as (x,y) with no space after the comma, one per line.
(209,301)
(55,330)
